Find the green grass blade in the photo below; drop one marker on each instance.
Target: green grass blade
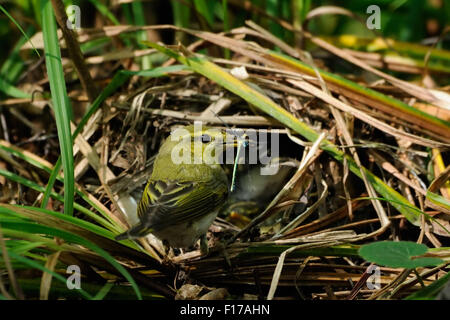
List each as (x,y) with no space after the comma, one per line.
(14,64)
(226,25)
(273,9)
(408,53)
(431,291)
(226,16)
(12,91)
(60,101)
(26,247)
(19,27)
(103,9)
(57,217)
(139,20)
(181,14)
(50,183)
(103,291)
(438,200)
(204,8)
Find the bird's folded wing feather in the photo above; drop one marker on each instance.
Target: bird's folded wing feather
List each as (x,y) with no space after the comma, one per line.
(168,203)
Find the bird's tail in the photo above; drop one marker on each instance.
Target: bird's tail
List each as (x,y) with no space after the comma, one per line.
(138,231)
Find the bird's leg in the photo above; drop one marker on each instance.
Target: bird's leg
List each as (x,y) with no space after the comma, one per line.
(204,250)
(222,247)
(168,252)
(226,257)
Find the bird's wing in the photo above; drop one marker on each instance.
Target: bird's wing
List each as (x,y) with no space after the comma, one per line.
(167,203)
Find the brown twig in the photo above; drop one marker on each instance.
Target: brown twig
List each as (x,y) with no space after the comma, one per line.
(74,51)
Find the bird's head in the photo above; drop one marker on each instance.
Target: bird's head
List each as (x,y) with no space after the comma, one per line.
(197,144)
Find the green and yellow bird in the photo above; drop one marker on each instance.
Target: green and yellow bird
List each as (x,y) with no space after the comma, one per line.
(186,190)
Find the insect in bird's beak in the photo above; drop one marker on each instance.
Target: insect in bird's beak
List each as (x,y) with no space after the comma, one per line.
(236,139)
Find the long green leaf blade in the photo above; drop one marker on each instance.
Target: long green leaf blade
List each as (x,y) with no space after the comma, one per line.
(60,101)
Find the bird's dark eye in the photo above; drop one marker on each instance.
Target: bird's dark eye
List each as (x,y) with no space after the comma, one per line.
(206,138)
